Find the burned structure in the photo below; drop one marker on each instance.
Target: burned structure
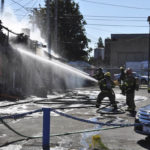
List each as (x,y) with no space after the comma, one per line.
(22,75)
(15,77)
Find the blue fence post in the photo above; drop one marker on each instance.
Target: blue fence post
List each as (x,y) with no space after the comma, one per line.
(46,128)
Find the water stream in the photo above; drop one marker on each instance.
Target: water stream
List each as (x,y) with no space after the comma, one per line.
(58,64)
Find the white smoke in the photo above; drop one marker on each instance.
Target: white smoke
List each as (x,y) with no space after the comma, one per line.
(10,21)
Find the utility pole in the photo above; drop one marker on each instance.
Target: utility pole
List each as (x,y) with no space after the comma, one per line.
(148,19)
(2,6)
(48,26)
(56,25)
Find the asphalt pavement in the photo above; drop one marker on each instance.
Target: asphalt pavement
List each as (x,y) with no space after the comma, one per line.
(79,103)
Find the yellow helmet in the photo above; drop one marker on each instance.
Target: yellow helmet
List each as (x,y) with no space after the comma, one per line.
(121,68)
(107,74)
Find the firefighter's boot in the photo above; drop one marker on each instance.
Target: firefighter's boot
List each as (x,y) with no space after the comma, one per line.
(97,105)
(115,108)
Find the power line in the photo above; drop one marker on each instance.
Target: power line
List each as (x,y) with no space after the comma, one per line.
(115,5)
(64,20)
(91,17)
(67,22)
(116,25)
(24,6)
(107,18)
(14,3)
(99,16)
(126,35)
(114,20)
(31,7)
(131,17)
(19,4)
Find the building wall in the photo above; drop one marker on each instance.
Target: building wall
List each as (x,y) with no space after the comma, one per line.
(99,52)
(127,48)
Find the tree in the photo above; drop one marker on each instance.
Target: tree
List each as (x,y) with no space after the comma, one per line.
(72,38)
(92,61)
(100,43)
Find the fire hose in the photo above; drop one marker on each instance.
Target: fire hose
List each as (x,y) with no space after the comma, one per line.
(53,135)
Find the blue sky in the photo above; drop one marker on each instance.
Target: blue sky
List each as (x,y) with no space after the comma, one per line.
(97,8)
(103,17)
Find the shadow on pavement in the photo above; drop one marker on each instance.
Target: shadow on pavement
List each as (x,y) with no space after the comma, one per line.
(145,143)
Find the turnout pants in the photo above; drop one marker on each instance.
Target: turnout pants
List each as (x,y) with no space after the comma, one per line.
(130,101)
(110,95)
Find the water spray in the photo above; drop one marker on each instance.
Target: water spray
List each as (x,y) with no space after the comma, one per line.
(58,64)
(60,78)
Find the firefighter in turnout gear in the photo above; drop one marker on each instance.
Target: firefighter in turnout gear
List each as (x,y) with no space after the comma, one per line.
(106,86)
(121,80)
(131,85)
(99,74)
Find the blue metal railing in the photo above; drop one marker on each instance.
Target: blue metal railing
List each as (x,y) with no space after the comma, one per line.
(46,123)
(46,128)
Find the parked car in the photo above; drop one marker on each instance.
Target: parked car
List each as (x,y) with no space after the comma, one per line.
(116,76)
(143,117)
(135,74)
(142,79)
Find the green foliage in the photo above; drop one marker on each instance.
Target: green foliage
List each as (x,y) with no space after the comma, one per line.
(100,43)
(92,61)
(72,40)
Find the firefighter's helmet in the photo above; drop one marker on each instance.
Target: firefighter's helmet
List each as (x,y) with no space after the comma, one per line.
(129,71)
(107,74)
(121,68)
(100,69)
